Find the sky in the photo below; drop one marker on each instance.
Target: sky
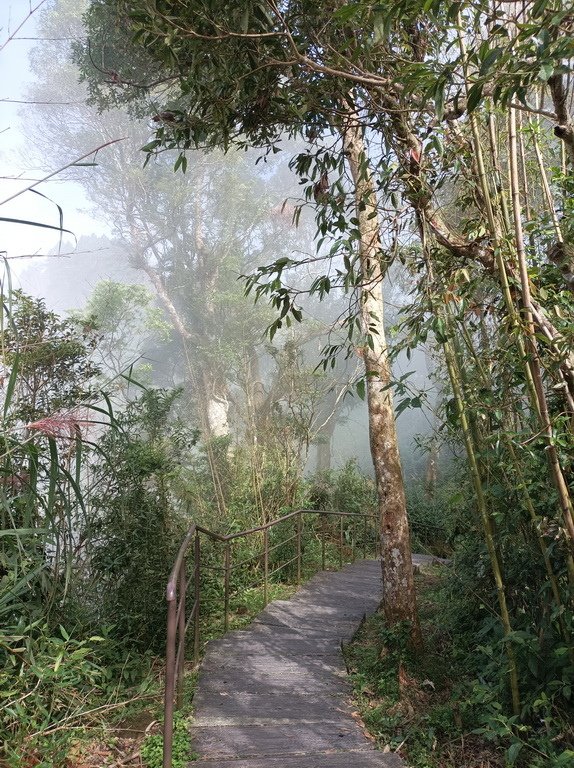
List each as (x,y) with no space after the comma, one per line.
(19,242)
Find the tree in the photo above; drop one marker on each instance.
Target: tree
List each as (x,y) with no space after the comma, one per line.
(48,358)
(246,77)
(189,238)
(125,318)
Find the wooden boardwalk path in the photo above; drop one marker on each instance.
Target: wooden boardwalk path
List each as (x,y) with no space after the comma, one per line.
(276,695)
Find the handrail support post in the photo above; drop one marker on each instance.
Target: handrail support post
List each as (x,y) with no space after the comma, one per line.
(169,683)
(323,537)
(196,595)
(180,655)
(265,566)
(227,570)
(299,531)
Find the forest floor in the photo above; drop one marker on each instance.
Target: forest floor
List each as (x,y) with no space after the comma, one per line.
(409,702)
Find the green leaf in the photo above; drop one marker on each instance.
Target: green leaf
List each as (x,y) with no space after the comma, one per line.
(11,383)
(402,406)
(489,59)
(360,387)
(181,162)
(346,12)
(151,146)
(539,7)
(513,751)
(546,70)
(439,330)
(379,29)
(474,97)
(24,532)
(53,476)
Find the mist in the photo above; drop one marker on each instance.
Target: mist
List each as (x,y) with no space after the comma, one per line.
(159,275)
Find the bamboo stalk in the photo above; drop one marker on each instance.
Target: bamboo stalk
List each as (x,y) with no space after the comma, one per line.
(532,373)
(523,489)
(493,140)
(533,360)
(455,380)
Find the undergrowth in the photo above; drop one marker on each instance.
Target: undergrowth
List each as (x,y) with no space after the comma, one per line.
(435,708)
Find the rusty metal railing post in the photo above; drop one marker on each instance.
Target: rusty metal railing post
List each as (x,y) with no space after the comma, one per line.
(340,542)
(365,538)
(298,540)
(323,537)
(376,543)
(265,566)
(169,679)
(196,585)
(227,570)
(180,655)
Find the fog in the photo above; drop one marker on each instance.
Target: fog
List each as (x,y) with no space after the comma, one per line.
(155,263)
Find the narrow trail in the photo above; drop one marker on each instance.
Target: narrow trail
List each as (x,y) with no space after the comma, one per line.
(276,695)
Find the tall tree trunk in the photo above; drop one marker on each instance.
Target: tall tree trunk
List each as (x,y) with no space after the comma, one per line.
(325,446)
(399,597)
(209,391)
(216,405)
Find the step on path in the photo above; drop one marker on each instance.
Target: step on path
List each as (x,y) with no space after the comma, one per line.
(276,695)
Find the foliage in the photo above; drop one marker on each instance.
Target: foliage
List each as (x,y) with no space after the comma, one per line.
(152,748)
(436,520)
(440,715)
(53,682)
(61,667)
(136,533)
(47,357)
(347,490)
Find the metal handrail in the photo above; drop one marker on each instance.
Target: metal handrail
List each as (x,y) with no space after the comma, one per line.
(178,625)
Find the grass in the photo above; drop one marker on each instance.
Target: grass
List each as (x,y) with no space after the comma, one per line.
(129,731)
(410,703)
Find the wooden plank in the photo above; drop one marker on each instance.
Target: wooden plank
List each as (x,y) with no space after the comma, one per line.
(274,740)
(276,695)
(326,760)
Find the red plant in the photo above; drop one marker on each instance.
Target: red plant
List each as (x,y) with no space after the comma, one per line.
(60,425)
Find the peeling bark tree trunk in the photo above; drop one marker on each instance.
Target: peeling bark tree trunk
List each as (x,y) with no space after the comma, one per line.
(214,406)
(325,446)
(399,597)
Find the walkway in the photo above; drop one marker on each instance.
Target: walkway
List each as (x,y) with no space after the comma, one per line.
(276,695)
